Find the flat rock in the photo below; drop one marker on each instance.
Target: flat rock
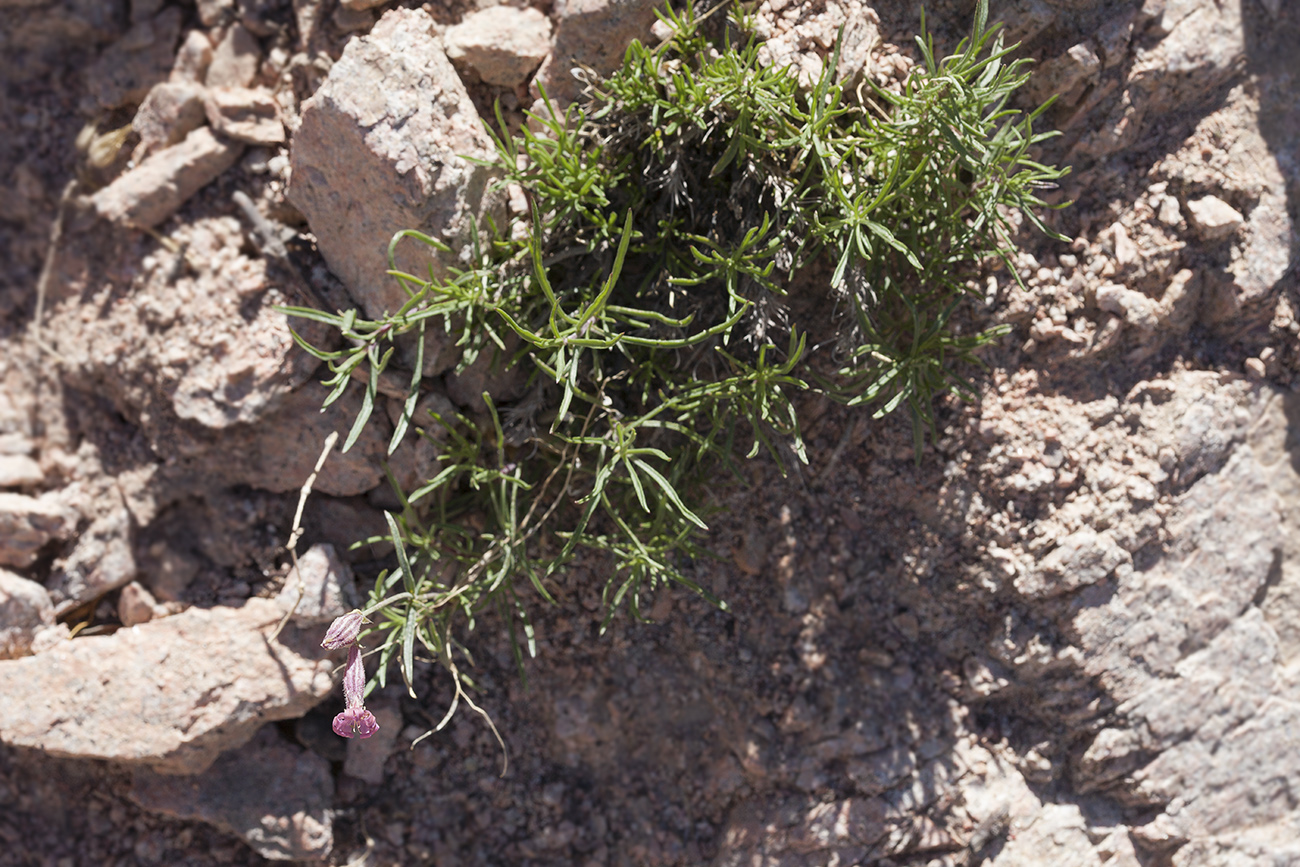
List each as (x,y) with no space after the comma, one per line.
(272,793)
(1213,218)
(503,44)
(327,587)
(171,111)
(172,694)
(129,67)
(154,190)
(245,114)
(28,524)
(234,59)
(19,471)
(381,149)
(25,610)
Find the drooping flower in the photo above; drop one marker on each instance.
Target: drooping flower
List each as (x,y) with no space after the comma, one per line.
(356,721)
(343,631)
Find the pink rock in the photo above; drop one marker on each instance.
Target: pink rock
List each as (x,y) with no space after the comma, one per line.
(171,694)
(503,44)
(27,524)
(235,59)
(170,112)
(247,114)
(25,610)
(155,189)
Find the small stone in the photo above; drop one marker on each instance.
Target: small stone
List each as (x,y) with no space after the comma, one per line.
(593,33)
(504,44)
(367,756)
(272,793)
(235,59)
(136,605)
(1213,218)
(359,5)
(1256,369)
(170,112)
(1170,214)
(155,189)
(27,525)
(1079,559)
(192,59)
(247,114)
(327,588)
(172,694)
(25,610)
(1137,309)
(19,471)
(101,560)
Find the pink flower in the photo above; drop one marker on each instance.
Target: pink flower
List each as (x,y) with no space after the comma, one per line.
(343,631)
(356,721)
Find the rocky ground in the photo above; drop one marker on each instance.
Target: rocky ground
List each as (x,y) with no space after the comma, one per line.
(1070,636)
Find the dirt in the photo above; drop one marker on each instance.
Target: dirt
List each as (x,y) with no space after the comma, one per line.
(861,607)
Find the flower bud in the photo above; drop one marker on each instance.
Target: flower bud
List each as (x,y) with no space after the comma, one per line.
(343,631)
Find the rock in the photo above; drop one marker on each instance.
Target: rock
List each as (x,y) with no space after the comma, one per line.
(1213,218)
(327,587)
(235,59)
(246,114)
(367,756)
(361,5)
(129,67)
(593,33)
(170,112)
(392,116)
(192,59)
(28,524)
(1137,309)
(1066,75)
(25,610)
(136,605)
(154,190)
(280,451)
(503,44)
(19,471)
(171,694)
(272,793)
(101,559)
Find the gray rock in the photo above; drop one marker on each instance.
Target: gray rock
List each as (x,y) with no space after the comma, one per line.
(171,694)
(327,589)
(273,794)
(1080,559)
(381,149)
(154,190)
(129,67)
(245,114)
(235,59)
(28,524)
(503,44)
(193,58)
(170,112)
(25,610)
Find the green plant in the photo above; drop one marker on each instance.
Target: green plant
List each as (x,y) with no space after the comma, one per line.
(679,211)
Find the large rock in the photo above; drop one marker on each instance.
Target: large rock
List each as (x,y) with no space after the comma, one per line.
(273,794)
(503,44)
(25,610)
(171,694)
(154,190)
(381,148)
